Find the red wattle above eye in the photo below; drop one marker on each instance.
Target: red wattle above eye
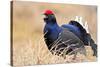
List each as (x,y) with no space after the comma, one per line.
(48,12)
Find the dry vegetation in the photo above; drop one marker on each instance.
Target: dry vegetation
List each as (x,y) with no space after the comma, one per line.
(29,47)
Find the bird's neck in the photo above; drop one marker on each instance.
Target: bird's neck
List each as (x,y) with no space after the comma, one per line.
(53,25)
(51,21)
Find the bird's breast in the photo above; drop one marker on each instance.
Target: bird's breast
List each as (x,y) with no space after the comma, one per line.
(52,33)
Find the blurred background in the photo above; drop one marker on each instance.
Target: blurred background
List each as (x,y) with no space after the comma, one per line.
(28,27)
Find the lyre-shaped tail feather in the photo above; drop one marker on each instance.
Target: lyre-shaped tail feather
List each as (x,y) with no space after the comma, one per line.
(87,35)
(79,19)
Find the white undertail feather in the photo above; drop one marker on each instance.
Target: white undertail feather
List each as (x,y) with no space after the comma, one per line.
(86,27)
(84,24)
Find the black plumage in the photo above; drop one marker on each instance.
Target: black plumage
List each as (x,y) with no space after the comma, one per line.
(60,40)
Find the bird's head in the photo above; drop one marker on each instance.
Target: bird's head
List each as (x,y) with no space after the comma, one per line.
(49,16)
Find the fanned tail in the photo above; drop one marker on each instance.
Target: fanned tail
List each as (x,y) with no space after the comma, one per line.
(86,37)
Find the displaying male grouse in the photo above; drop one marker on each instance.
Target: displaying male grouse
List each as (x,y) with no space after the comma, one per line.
(66,39)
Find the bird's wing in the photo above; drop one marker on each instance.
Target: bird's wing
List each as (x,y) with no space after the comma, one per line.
(75,30)
(70,42)
(67,35)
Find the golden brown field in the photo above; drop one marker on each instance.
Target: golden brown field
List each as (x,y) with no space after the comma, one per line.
(29,47)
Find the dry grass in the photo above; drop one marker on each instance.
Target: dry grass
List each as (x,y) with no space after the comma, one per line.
(29,47)
(25,53)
